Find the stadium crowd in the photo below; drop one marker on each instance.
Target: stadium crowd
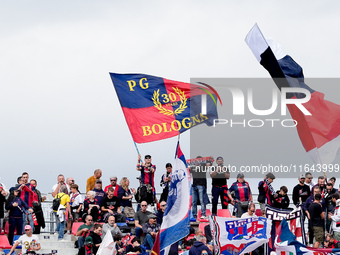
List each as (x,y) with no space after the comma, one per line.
(109,208)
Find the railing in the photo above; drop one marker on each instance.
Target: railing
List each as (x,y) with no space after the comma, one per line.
(50,219)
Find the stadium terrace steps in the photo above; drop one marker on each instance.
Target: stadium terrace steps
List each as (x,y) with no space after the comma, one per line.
(50,244)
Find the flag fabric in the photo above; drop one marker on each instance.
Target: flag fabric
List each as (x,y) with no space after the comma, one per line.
(176,219)
(295,224)
(156,108)
(156,246)
(35,221)
(238,236)
(318,132)
(108,246)
(286,243)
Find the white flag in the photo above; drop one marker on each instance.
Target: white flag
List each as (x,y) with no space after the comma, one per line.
(108,246)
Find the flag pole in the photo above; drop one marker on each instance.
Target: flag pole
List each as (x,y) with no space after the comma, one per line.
(179,136)
(137,151)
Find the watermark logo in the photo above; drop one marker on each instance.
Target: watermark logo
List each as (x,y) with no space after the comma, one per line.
(239,101)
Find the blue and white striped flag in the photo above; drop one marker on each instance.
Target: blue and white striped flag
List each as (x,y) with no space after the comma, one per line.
(176,218)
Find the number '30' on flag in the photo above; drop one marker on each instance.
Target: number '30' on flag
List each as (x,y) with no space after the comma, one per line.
(319,126)
(156,108)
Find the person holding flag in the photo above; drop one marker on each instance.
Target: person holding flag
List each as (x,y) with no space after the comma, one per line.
(266,192)
(147,170)
(176,219)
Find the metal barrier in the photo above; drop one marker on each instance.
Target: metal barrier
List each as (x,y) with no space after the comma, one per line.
(50,218)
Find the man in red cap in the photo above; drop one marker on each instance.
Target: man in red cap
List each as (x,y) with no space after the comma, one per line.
(28,241)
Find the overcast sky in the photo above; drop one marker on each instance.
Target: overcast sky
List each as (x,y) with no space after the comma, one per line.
(58,109)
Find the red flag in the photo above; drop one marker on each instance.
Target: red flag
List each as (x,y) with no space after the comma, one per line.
(156,246)
(34,219)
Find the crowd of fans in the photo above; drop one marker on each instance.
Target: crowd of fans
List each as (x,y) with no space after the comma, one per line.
(109,209)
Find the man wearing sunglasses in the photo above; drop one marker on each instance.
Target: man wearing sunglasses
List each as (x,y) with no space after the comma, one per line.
(141,217)
(69,182)
(147,188)
(160,212)
(84,230)
(309,180)
(113,184)
(147,170)
(250,212)
(28,241)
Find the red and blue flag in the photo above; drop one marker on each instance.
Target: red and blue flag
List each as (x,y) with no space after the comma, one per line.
(156,108)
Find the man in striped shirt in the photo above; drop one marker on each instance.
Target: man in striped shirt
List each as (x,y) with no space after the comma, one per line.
(147,190)
(28,194)
(266,192)
(242,194)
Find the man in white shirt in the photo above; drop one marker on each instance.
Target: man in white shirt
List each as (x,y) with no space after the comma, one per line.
(56,187)
(28,241)
(250,212)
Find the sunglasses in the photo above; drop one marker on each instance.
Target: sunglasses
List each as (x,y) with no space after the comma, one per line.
(163,205)
(114,180)
(143,205)
(204,253)
(252,211)
(27,229)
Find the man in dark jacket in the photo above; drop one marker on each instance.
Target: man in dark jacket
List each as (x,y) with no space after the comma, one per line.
(281,200)
(301,192)
(199,246)
(266,192)
(39,214)
(150,229)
